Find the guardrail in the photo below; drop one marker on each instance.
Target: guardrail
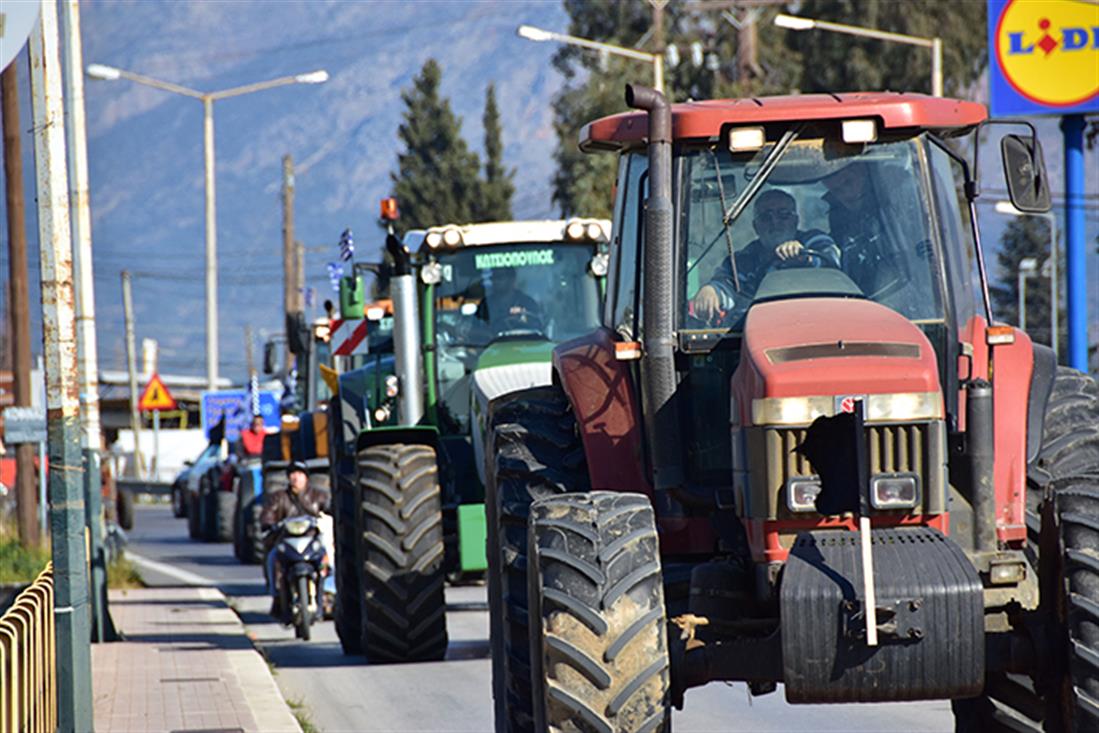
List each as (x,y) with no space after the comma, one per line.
(28,677)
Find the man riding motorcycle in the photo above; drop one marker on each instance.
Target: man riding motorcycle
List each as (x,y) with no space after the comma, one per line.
(298,499)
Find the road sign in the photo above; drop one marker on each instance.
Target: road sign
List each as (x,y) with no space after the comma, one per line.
(235,405)
(349,336)
(1043,56)
(24,425)
(156,396)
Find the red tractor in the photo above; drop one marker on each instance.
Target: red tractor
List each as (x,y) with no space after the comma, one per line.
(799,449)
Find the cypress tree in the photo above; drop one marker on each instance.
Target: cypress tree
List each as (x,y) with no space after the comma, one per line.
(498,186)
(437,178)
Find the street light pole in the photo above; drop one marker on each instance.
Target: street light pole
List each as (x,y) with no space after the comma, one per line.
(799,23)
(211,246)
(1027,267)
(656,59)
(110,73)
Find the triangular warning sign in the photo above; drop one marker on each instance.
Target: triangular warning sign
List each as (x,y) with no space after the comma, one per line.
(156,396)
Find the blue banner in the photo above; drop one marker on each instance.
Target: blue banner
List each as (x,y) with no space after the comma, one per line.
(236,407)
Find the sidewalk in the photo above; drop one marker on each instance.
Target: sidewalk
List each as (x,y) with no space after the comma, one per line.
(186,665)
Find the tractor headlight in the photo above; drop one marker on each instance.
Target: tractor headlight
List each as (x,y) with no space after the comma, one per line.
(434,239)
(790,410)
(904,406)
(574,230)
(432,272)
(452,237)
(594,231)
(381,414)
(392,386)
(895,491)
(801,494)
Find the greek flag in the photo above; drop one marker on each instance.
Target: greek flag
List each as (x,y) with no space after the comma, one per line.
(347,246)
(335,272)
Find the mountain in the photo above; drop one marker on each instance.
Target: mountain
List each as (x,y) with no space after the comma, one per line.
(146,145)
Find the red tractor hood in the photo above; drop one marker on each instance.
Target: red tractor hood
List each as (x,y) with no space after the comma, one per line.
(830,346)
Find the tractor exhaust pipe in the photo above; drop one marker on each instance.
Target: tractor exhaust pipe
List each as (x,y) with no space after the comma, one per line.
(658,377)
(406,334)
(980,447)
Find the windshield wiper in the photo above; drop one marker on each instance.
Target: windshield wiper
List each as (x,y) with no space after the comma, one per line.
(760,178)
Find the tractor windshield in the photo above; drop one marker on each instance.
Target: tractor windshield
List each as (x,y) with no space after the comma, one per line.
(829,219)
(541,291)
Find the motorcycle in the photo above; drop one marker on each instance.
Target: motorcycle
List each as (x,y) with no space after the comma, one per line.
(301,563)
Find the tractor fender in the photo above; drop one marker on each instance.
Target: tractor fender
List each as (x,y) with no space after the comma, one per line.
(409,435)
(1012,370)
(1041,387)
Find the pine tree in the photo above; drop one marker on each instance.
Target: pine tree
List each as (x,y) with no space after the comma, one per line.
(437,180)
(1025,236)
(498,186)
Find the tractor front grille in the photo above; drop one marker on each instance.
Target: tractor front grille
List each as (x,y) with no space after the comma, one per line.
(912,448)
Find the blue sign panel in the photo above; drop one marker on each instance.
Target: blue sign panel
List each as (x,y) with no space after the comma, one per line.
(1043,57)
(235,406)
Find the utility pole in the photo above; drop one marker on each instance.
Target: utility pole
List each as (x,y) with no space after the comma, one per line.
(25,492)
(131,365)
(289,257)
(66,490)
(84,283)
(299,275)
(249,354)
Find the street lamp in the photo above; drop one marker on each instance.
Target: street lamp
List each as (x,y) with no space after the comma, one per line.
(1028,267)
(798,23)
(657,60)
(1006,207)
(110,73)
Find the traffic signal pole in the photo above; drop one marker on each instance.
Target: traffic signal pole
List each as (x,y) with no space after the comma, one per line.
(66,490)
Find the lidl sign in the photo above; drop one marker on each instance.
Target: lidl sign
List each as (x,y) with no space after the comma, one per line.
(1043,56)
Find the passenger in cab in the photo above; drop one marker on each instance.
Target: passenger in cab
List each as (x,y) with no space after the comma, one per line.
(775,220)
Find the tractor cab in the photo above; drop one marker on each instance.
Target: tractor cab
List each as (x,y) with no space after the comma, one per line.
(798,448)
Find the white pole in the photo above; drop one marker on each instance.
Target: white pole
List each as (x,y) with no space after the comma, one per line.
(1022,299)
(154,474)
(658,72)
(43,503)
(868,582)
(211,247)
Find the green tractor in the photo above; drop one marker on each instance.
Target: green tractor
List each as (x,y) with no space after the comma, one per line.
(477,310)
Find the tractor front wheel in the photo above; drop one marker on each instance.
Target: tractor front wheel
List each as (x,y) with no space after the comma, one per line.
(403,606)
(537,453)
(598,629)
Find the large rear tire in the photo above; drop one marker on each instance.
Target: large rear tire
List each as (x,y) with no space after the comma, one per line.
(403,603)
(537,453)
(1063,524)
(219,514)
(599,646)
(348,611)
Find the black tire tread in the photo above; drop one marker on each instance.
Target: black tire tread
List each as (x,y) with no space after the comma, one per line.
(617,680)
(536,453)
(403,604)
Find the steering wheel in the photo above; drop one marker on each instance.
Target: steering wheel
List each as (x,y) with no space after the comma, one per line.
(805,258)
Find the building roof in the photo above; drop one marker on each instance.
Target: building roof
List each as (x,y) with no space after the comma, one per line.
(705,120)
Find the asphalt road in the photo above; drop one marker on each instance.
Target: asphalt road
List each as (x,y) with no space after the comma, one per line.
(344,693)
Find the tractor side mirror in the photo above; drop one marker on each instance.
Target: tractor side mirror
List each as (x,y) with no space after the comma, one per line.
(352,297)
(1025,172)
(270,358)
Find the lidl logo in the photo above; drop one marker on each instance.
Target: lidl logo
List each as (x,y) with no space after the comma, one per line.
(1048,50)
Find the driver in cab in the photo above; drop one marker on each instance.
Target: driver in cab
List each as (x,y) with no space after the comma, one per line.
(506,307)
(775,220)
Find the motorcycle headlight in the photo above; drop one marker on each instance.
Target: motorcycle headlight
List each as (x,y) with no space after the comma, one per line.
(296,527)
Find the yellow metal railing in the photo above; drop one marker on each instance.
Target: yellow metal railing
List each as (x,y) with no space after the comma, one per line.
(28,678)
